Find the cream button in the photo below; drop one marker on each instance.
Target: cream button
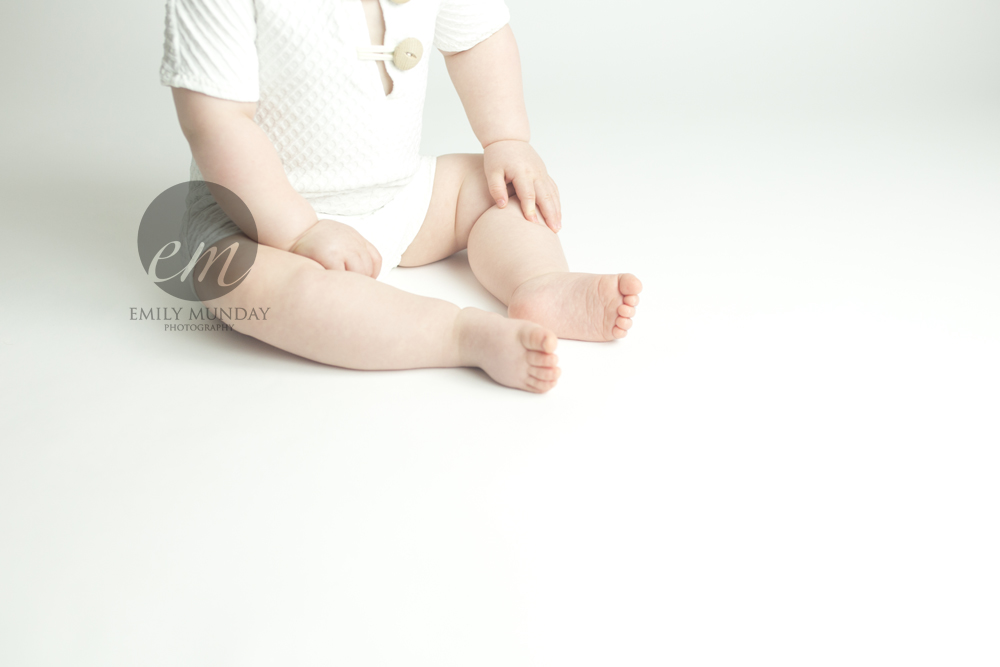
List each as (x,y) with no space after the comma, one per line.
(407,53)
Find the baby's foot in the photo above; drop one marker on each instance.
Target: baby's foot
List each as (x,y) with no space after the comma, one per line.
(515,353)
(581,306)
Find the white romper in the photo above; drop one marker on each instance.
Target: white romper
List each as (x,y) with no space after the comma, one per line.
(351,150)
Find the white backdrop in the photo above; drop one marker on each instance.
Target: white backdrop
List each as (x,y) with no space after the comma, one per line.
(792,459)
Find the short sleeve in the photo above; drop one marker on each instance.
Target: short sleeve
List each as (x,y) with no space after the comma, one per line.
(210,47)
(461,24)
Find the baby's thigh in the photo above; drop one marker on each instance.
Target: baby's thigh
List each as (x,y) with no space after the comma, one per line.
(461,195)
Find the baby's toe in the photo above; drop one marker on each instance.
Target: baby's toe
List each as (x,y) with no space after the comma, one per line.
(542,359)
(631,300)
(545,374)
(539,338)
(540,386)
(629,285)
(626,311)
(623,323)
(618,332)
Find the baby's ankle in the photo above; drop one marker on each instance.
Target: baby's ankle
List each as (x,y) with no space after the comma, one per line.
(534,280)
(468,335)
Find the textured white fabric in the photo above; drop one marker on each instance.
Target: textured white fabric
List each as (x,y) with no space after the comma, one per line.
(345,146)
(461,24)
(210,48)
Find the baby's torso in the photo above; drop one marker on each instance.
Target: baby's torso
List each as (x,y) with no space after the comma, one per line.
(346,144)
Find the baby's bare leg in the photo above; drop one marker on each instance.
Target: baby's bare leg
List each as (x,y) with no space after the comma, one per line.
(347,319)
(520,262)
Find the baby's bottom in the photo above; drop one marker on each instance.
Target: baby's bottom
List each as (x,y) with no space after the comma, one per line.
(351,320)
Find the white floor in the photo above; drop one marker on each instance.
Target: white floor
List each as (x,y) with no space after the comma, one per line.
(791,460)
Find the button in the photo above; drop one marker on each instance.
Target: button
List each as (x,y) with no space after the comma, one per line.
(408,53)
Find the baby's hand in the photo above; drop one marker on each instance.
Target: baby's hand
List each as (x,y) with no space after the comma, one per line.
(516,162)
(338,247)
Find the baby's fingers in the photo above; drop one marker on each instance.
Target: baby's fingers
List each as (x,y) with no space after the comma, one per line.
(334,264)
(498,187)
(367,262)
(359,261)
(331,261)
(525,189)
(548,204)
(376,260)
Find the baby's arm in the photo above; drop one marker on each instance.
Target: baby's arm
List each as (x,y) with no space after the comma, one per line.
(488,80)
(231,150)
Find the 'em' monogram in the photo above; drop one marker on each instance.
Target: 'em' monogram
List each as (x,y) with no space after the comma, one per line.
(195,258)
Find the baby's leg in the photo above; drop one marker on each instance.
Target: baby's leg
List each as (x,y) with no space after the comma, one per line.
(519,261)
(347,319)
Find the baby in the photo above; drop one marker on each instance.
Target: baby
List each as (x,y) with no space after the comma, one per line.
(309,112)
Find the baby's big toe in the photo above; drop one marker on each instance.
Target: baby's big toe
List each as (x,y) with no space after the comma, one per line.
(629,285)
(539,338)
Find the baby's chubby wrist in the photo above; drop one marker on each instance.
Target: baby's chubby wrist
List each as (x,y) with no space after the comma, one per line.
(495,142)
(289,230)
(296,244)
